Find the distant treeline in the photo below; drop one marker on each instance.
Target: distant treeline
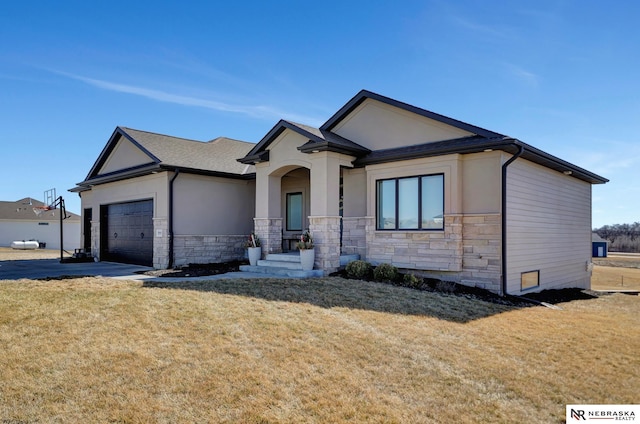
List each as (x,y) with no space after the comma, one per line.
(621,237)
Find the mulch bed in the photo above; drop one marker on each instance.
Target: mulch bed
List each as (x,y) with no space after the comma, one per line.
(197,270)
(428,284)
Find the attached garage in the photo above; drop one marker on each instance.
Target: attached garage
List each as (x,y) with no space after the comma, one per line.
(162,201)
(128,232)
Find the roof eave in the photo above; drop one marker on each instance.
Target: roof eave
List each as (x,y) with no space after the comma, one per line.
(124,174)
(327,146)
(255,158)
(552,162)
(210,173)
(505,144)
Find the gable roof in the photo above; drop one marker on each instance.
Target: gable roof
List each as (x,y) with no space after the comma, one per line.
(480,140)
(215,157)
(319,140)
(22,210)
(595,237)
(365,94)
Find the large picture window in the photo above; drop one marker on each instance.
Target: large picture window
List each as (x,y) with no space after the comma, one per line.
(411,203)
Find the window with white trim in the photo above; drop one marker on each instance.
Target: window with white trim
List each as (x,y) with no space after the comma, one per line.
(410,203)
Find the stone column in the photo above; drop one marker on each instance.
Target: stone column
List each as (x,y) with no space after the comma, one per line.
(161,243)
(95,239)
(269,230)
(326,238)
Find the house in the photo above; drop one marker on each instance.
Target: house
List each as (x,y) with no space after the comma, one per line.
(381,179)
(599,246)
(396,183)
(162,201)
(26,219)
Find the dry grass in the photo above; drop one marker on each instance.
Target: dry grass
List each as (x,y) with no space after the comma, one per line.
(616,273)
(326,350)
(615,278)
(8,254)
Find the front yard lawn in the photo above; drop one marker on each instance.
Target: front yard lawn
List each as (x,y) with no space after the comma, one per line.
(322,350)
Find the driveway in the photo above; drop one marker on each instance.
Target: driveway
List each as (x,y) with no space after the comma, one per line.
(32,269)
(50,268)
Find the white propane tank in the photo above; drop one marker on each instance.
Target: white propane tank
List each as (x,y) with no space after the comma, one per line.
(25,245)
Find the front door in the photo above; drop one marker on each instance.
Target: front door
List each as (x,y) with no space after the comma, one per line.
(294,219)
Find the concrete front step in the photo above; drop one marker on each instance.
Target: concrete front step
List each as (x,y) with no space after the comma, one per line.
(279,264)
(288,265)
(282,272)
(284,257)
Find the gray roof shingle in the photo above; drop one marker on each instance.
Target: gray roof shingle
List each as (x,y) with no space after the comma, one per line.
(217,155)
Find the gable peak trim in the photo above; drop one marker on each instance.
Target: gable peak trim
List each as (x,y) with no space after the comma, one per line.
(363,95)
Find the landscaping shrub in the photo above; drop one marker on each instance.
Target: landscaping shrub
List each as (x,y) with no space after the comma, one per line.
(446,286)
(358,269)
(385,272)
(411,280)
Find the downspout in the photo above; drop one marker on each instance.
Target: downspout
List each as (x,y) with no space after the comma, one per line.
(504,215)
(175,175)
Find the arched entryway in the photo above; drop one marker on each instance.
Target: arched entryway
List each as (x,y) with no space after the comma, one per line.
(295,200)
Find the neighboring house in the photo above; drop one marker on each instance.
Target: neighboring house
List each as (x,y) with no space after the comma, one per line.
(19,222)
(382,179)
(163,201)
(599,246)
(398,184)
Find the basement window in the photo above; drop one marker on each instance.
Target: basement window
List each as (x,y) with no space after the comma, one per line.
(43,223)
(529,279)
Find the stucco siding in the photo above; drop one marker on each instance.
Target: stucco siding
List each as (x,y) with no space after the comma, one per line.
(481,183)
(147,187)
(548,227)
(213,206)
(377,125)
(125,155)
(354,192)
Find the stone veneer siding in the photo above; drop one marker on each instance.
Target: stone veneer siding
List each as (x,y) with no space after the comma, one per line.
(269,230)
(481,263)
(325,231)
(466,252)
(95,239)
(207,249)
(160,243)
(421,250)
(354,236)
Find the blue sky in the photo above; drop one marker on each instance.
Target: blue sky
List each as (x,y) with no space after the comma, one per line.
(560,75)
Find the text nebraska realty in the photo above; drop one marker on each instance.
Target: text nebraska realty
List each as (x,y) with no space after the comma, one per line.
(580,414)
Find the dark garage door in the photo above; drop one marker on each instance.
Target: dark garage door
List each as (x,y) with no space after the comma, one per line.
(127,232)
